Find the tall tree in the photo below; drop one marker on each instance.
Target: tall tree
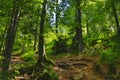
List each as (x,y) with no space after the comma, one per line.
(11,32)
(57,15)
(35,40)
(3,37)
(79,38)
(41,48)
(116,17)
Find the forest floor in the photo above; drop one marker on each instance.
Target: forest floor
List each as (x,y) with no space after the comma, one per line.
(80,67)
(72,67)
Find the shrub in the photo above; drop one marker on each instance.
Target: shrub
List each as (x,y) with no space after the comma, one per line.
(28,56)
(110,57)
(60,45)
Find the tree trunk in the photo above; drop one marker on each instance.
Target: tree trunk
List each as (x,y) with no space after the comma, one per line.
(11,36)
(87,26)
(116,18)
(41,48)
(79,39)
(57,13)
(2,41)
(35,40)
(87,29)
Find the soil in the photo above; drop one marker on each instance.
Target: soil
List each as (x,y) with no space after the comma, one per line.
(78,68)
(73,67)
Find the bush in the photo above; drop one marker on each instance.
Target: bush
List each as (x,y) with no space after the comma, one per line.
(110,57)
(94,50)
(60,45)
(54,76)
(28,56)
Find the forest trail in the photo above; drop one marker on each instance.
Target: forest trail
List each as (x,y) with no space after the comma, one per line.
(78,68)
(73,67)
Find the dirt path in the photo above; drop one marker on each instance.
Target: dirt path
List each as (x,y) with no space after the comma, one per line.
(72,67)
(77,68)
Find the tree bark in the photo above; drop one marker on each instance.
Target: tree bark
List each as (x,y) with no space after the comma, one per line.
(41,48)
(2,41)
(11,32)
(79,38)
(87,26)
(87,29)
(116,18)
(35,39)
(57,13)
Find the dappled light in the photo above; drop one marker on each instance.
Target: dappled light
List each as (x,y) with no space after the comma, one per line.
(59,40)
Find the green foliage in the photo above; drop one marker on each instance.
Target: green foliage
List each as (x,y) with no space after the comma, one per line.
(28,56)
(95,49)
(60,45)
(16,52)
(48,73)
(110,57)
(51,73)
(47,76)
(1,57)
(108,49)
(96,15)
(97,67)
(54,76)
(50,37)
(107,57)
(8,75)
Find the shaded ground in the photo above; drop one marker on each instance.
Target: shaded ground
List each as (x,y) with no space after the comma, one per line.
(70,67)
(78,68)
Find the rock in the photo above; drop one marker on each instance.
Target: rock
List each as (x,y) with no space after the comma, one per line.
(80,64)
(86,60)
(74,59)
(79,76)
(63,65)
(19,78)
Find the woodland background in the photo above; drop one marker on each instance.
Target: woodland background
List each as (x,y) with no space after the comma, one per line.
(40,32)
